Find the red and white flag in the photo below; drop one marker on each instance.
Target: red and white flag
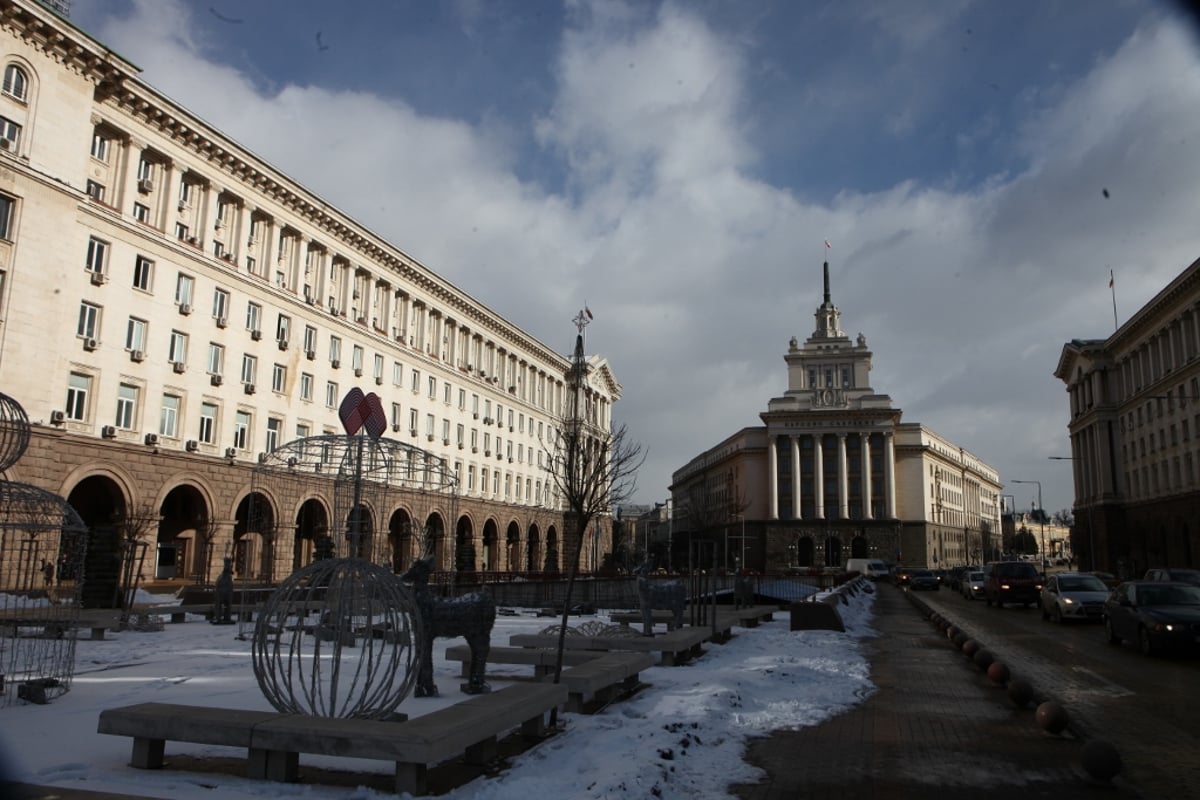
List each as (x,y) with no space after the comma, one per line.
(827,244)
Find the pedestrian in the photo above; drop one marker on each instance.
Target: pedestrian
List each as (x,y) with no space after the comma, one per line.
(47,572)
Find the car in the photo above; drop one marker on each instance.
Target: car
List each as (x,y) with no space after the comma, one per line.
(924,579)
(901,575)
(872,568)
(1012,582)
(972,585)
(1155,615)
(1191,576)
(1073,596)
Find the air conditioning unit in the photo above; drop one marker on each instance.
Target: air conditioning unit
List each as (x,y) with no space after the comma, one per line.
(256,335)
(262,458)
(396,427)
(179,367)
(429,436)
(216,380)
(222,322)
(137,355)
(412,432)
(185,308)
(379,380)
(152,438)
(312,301)
(109,431)
(460,445)
(250,388)
(145,185)
(6,143)
(251,241)
(182,206)
(192,445)
(192,240)
(58,417)
(230,452)
(446,442)
(474,449)
(90,344)
(283,344)
(99,278)
(220,223)
(335,363)
(358,372)
(475,415)
(311,354)
(487,453)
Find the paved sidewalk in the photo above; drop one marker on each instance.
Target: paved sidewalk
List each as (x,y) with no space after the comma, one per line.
(935,723)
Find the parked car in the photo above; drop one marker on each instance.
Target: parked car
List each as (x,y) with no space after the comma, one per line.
(1109,580)
(924,579)
(1191,576)
(972,585)
(1012,582)
(1155,615)
(1073,596)
(901,575)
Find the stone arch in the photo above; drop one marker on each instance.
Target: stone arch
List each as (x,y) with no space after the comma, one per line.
(551,564)
(833,551)
(312,523)
(533,549)
(512,547)
(358,536)
(402,539)
(435,532)
(805,552)
(465,558)
(491,546)
(859,547)
(183,545)
(254,538)
(101,502)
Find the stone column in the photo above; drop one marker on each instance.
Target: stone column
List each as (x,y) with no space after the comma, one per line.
(795,442)
(889,472)
(819,475)
(865,444)
(843,479)
(772,478)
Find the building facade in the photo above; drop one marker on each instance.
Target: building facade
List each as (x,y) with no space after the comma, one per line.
(834,474)
(1134,425)
(173,310)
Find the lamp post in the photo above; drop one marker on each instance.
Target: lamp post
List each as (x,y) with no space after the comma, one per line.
(1042,509)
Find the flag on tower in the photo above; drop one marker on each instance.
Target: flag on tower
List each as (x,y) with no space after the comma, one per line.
(827,244)
(1110,279)
(587,311)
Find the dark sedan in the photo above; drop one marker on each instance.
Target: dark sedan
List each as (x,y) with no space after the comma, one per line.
(924,579)
(1155,615)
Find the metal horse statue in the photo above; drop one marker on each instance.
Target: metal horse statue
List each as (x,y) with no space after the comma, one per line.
(470,616)
(669,595)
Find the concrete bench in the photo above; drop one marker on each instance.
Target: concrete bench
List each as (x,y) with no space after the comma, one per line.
(592,678)
(658,616)
(674,647)
(274,741)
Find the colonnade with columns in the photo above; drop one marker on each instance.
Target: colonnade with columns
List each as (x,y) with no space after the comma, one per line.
(818,477)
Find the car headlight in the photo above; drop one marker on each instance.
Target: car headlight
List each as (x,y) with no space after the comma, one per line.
(1164,627)
(1004,586)
(1068,601)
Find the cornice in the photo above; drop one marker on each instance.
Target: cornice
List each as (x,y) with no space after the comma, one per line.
(43,30)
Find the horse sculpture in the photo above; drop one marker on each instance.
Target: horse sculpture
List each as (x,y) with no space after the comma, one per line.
(669,595)
(471,616)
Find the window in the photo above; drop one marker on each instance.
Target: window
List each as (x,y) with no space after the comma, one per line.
(145,170)
(182,233)
(96,255)
(6,210)
(135,335)
(378,368)
(278,378)
(416,380)
(445,430)
(10,134)
(16,82)
(141,212)
(220,305)
(95,191)
(168,424)
(143,273)
(462,399)
(79,386)
(208,423)
(274,429)
(302,430)
(429,424)
(185,192)
(216,358)
(99,146)
(249,368)
(178,348)
(432,383)
(357,360)
(396,416)
(335,349)
(184,285)
(127,396)
(331,393)
(446,390)
(89,321)
(412,420)
(253,316)
(397,374)
(241,429)
(306,387)
(283,328)
(310,339)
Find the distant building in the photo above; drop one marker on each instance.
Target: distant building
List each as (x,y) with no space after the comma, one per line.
(832,475)
(174,309)
(1135,435)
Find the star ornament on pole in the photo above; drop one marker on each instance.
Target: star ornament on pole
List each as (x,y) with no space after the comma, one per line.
(583,318)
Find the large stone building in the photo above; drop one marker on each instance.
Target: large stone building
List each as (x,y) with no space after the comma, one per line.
(1135,435)
(834,474)
(173,310)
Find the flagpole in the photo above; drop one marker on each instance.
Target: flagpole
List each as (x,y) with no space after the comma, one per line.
(1112,284)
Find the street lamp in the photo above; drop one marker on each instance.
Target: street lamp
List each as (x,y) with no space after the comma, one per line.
(1042,509)
(1091,527)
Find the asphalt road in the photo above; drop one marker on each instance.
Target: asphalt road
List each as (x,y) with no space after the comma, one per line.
(1148,707)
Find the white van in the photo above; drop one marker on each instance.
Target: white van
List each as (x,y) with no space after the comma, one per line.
(871,568)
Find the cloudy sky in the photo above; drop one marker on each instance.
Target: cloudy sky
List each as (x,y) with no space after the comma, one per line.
(978,167)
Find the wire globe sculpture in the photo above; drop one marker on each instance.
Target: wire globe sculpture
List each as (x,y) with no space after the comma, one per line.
(14,431)
(338,638)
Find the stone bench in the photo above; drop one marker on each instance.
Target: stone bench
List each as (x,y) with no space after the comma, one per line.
(274,741)
(593,679)
(674,647)
(658,616)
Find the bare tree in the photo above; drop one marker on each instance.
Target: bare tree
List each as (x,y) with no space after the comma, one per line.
(137,528)
(592,470)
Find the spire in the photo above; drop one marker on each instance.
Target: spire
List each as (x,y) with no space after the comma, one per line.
(826,283)
(828,317)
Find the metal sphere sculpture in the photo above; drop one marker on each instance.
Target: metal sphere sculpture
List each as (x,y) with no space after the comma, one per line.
(14,431)
(338,638)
